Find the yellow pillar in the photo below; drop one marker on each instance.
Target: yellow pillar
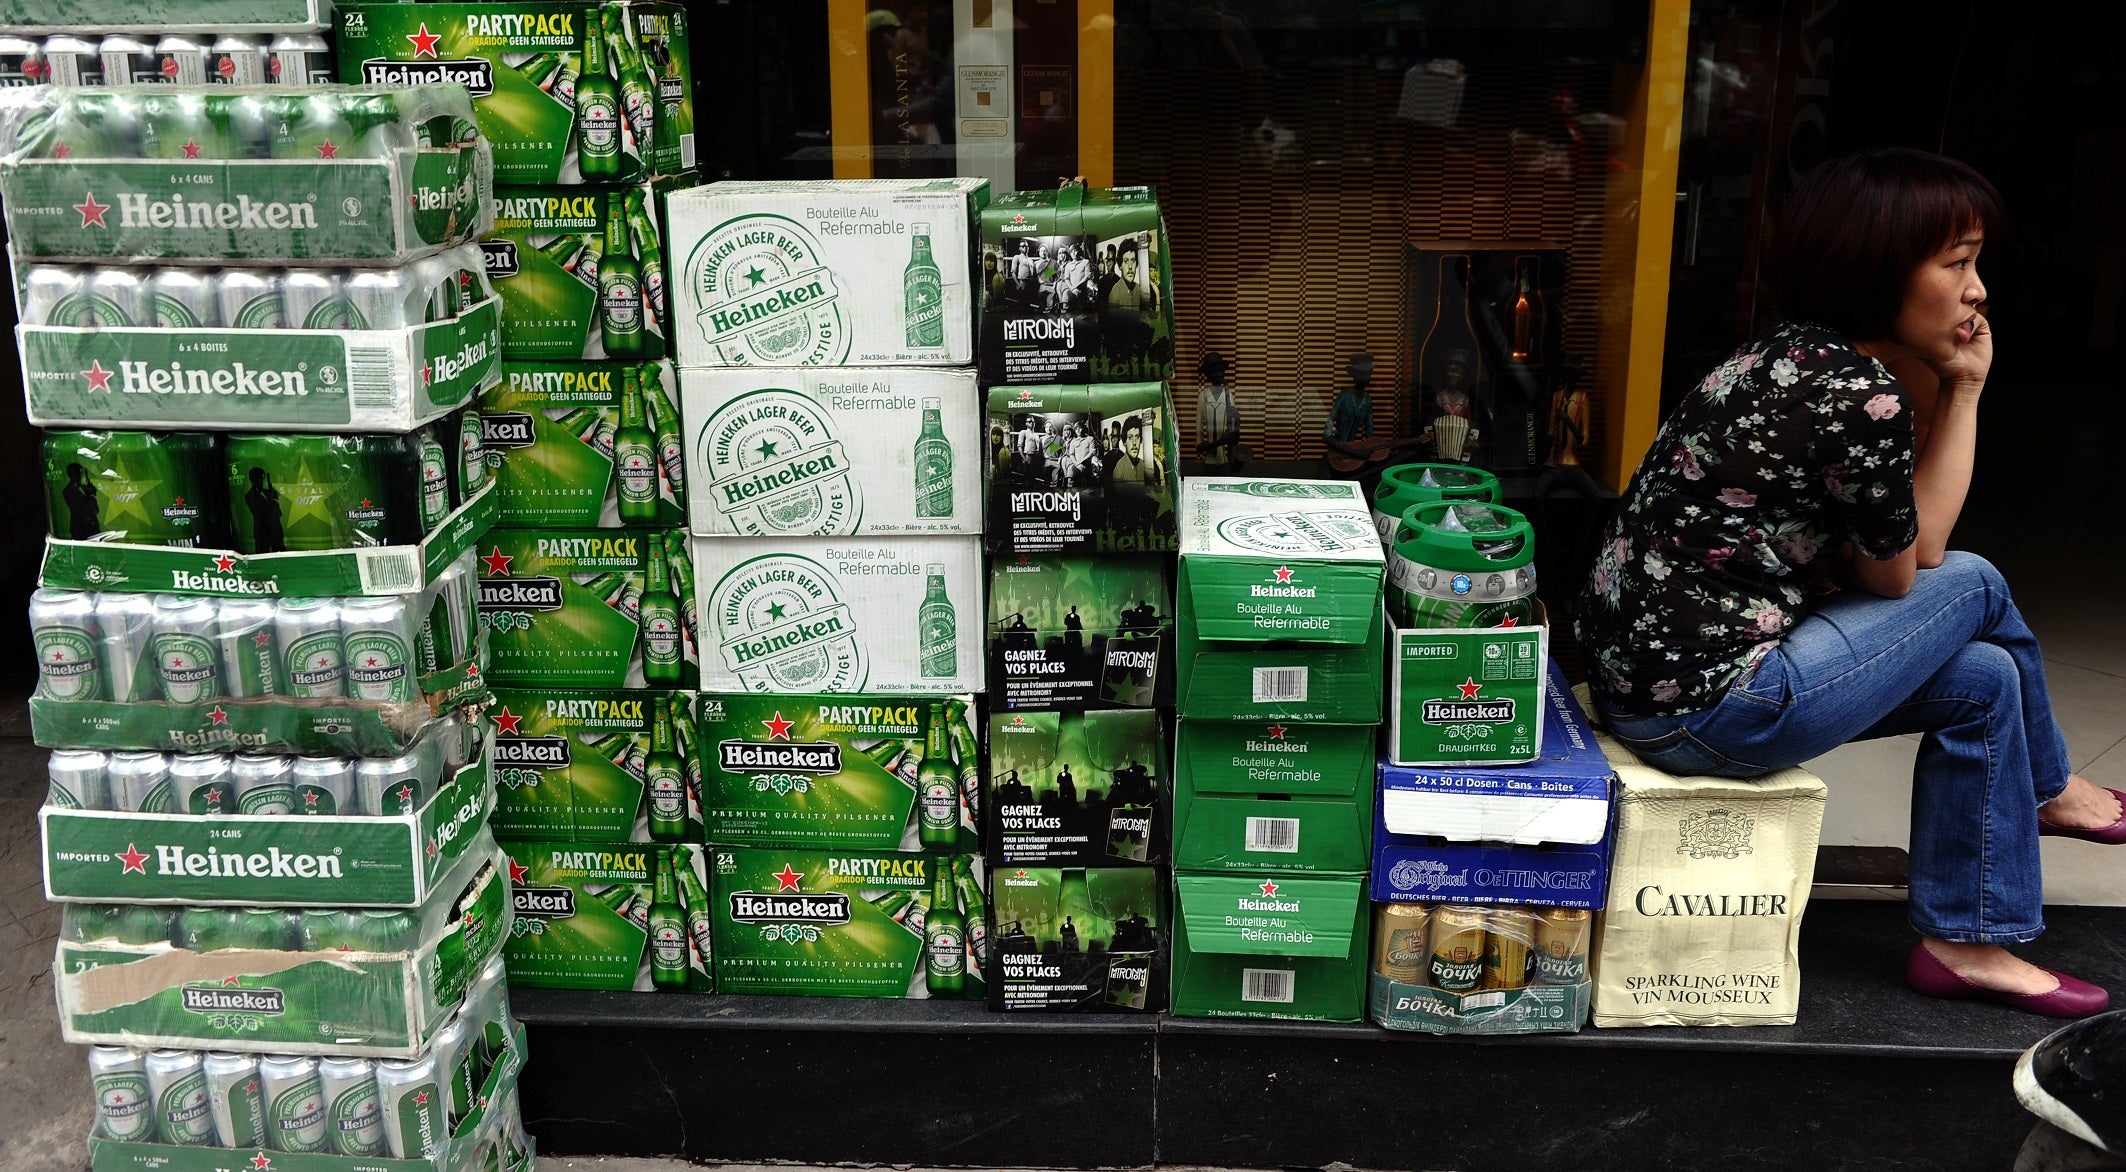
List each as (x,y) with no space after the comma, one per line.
(1658,112)
(1096,91)
(849,89)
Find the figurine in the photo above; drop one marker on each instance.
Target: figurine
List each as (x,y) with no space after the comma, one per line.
(1217,418)
(1452,431)
(1351,418)
(1568,416)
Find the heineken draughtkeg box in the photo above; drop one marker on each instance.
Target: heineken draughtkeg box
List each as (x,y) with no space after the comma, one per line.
(833,451)
(1279,602)
(568,93)
(615,916)
(312,349)
(1079,939)
(1077,789)
(582,273)
(1276,946)
(1074,633)
(1467,696)
(875,272)
(888,615)
(864,772)
(1082,469)
(321,980)
(839,923)
(1076,288)
(588,608)
(1272,796)
(235,173)
(616,766)
(585,444)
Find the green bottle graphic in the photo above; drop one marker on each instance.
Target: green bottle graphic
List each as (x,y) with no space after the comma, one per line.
(925,302)
(619,286)
(695,899)
(933,464)
(658,617)
(597,115)
(588,264)
(540,68)
(664,424)
(638,100)
(651,255)
(668,929)
(562,250)
(944,935)
(977,915)
(635,457)
(937,787)
(885,755)
(667,780)
(580,422)
(937,628)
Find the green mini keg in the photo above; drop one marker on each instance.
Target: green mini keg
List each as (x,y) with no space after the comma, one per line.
(1405,485)
(1463,564)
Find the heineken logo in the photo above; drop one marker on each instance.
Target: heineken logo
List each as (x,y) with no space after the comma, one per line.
(753,907)
(237,378)
(543,903)
(271,863)
(767,297)
(532,752)
(445,367)
(775,467)
(510,429)
(474,73)
(220,999)
(1468,708)
(92,212)
(520,594)
(138,209)
(499,258)
(822,757)
(781,626)
(1296,534)
(1251,904)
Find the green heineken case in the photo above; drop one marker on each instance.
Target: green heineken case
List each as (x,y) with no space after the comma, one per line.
(1273,796)
(1289,947)
(1077,789)
(587,608)
(583,274)
(1075,633)
(328,980)
(1076,288)
(846,923)
(1082,469)
(138,487)
(568,451)
(1078,939)
(611,916)
(833,451)
(1280,612)
(1467,696)
(842,771)
(585,766)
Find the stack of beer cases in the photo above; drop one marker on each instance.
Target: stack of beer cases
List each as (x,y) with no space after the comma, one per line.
(825,340)
(267,814)
(1077,342)
(1280,686)
(1490,843)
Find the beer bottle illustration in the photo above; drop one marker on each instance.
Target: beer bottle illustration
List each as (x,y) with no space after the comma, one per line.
(937,628)
(667,781)
(597,115)
(658,617)
(638,100)
(668,928)
(933,464)
(651,255)
(925,303)
(944,934)
(619,286)
(635,457)
(937,786)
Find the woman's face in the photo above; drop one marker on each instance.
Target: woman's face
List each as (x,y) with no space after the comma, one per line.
(1941,303)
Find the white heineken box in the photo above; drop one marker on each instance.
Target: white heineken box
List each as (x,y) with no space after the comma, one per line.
(876,272)
(832,451)
(857,614)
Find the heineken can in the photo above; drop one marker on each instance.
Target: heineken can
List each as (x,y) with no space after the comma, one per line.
(78,780)
(486,1012)
(325,786)
(185,630)
(235,1099)
(209,929)
(250,666)
(124,1109)
(177,1085)
(472,456)
(313,660)
(1464,564)
(55,295)
(140,783)
(330,929)
(1406,485)
(391,786)
(354,1121)
(182,59)
(141,487)
(130,61)
(119,298)
(246,121)
(435,476)
(300,59)
(379,638)
(62,625)
(174,125)
(251,300)
(21,61)
(141,925)
(125,629)
(295,1104)
(264,929)
(383,299)
(238,60)
(184,299)
(202,784)
(411,1098)
(454,1061)
(73,61)
(264,784)
(385,930)
(311,300)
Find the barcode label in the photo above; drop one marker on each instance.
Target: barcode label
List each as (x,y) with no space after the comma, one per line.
(395,570)
(1278,685)
(1273,834)
(1266,985)
(686,152)
(1491,1000)
(370,382)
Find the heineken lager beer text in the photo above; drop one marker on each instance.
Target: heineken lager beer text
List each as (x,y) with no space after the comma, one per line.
(185,659)
(411,1101)
(69,660)
(295,1105)
(924,311)
(377,638)
(635,459)
(353,1116)
(233,1093)
(177,1085)
(938,627)
(313,657)
(124,1107)
(598,113)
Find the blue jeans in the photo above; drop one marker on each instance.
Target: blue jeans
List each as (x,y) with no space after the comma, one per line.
(1990,755)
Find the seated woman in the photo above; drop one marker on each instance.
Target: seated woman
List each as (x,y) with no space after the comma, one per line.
(1729,631)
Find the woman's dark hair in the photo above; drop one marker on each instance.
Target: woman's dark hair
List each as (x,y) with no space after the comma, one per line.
(1859,225)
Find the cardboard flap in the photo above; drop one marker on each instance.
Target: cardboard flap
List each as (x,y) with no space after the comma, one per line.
(1256,915)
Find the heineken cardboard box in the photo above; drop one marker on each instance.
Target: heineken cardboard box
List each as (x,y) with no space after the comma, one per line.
(1277,946)
(614,916)
(833,451)
(1079,939)
(1468,695)
(834,923)
(1076,288)
(594,766)
(1272,796)
(80,186)
(277,980)
(1280,602)
(1082,469)
(1077,789)
(1078,633)
(582,273)
(569,452)
(842,771)
(568,93)
(588,608)
(873,272)
(887,615)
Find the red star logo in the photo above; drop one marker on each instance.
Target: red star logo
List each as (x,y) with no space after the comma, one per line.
(365,502)
(507,721)
(262,639)
(225,563)
(1469,687)
(1276,732)
(220,715)
(427,372)
(473,670)
(1284,573)
(99,378)
(191,150)
(134,861)
(517,872)
(1021,874)
(310,799)
(1026,394)
(92,212)
(59,656)
(1018,217)
(778,728)
(260,1162)
(1269,887)
(1018,720)
(420,1098)
(424,42)
(232,982)
(370,662)
(180,500)
(788,878)
(431,848)
(64,150)
(1511,621)
(498,563)
(404,794)
(328,150)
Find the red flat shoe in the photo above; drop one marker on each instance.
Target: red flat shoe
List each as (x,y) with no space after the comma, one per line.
(1925,972)
(2111,835)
